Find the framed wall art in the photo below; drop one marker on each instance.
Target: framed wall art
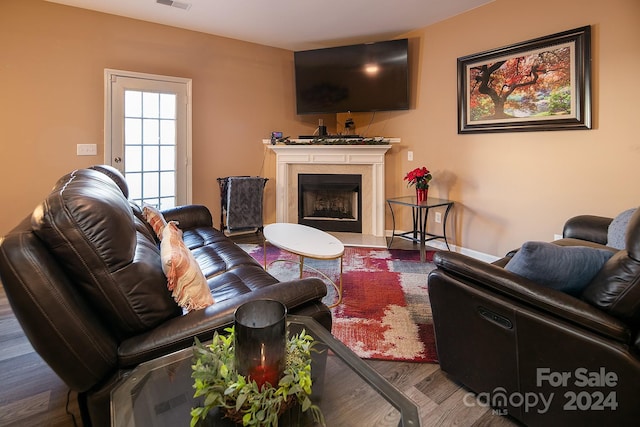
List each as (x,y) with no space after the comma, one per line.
(538,85)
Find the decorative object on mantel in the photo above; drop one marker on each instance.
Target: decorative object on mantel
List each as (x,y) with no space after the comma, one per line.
(216,378)
(341,141)
(419,177)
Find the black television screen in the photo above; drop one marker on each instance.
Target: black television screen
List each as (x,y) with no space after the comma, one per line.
(357,78)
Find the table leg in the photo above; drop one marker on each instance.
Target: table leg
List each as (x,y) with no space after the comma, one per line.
(264,251)
(337,287)
(416,221)
(444,225)
(423,234)
(340,290)
(393,219)
(301,265)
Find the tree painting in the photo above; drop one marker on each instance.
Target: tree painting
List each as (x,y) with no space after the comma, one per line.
(534,85)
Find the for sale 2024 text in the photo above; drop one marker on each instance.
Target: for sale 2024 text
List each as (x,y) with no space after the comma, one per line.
(584,400)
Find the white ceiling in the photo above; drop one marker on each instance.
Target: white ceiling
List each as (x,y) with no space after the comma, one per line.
(290,24)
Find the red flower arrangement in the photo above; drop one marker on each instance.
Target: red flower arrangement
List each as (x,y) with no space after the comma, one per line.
(419,177)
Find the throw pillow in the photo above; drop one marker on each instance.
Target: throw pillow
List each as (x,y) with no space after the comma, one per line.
(185,279)
(618,229)
(155,219)
(565,268)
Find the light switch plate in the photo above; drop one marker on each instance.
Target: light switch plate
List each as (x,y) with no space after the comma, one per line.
(87,149)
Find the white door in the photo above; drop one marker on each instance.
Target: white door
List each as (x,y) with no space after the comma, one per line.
(148,135)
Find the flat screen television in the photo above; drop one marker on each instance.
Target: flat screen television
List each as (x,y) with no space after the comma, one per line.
(356,78)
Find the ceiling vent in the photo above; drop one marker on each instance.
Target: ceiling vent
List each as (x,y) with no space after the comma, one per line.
(178,4)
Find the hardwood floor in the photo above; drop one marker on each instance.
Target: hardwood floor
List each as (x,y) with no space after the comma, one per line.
(32,395)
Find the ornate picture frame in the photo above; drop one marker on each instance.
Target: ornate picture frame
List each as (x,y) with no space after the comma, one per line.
(538,85)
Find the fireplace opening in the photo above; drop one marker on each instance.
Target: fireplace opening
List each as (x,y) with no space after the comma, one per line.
(330,202)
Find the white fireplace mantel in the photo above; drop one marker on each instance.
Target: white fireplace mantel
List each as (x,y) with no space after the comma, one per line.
(369,158)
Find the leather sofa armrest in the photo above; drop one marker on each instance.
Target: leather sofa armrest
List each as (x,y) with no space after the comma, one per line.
(496,279)
(587,227)
(189,216)
(177,333)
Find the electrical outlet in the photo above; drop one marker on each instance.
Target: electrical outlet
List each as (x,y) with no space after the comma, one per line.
(410,156)
(438,217)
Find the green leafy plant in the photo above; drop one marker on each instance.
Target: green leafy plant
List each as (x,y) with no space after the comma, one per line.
(216,379)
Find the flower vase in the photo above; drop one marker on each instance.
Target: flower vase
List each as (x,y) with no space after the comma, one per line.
(421,194)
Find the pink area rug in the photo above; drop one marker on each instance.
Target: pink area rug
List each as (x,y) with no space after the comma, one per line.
(385,311)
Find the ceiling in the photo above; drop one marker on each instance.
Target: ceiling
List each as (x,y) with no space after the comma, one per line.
(289,24)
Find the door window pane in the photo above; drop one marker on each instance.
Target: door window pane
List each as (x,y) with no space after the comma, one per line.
(134,182)
(132,103)
(151,160)
(150,105)
(167,158)
(167,106)
(133,131)
(133,156)
(150,185)
(167,132)
(150,131)
(167,184)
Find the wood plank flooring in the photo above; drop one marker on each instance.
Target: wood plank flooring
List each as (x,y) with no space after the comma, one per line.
(32,395)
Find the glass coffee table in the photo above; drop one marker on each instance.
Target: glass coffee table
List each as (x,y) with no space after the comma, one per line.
(306,242)
(349,392)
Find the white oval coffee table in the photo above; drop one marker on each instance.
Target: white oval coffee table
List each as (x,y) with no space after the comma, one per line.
(306,242)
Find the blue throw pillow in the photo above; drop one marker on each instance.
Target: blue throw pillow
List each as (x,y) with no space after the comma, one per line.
(618,228)
(565,268)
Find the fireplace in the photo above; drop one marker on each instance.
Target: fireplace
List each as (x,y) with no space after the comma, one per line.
(330,202)
(365,160)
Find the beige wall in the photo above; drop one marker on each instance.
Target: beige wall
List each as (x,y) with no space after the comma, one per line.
(509,187)
(514,187)
(52,61)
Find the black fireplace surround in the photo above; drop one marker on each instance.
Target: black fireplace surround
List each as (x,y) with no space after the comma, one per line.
(330,202)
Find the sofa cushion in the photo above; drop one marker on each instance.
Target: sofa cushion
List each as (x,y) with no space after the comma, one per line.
(185,279)
(88,224)
(616,232)
(155,219)
(565,268)
(141,223)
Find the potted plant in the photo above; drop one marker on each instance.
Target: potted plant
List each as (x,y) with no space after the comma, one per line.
(216,378)
(419,177)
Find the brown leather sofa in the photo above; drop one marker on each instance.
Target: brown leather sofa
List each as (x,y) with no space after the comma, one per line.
(514,342)
(84,278)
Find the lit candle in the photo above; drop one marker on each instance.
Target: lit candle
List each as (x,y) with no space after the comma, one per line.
(260,341)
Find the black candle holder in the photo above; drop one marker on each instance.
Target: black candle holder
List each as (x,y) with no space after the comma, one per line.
(260,341)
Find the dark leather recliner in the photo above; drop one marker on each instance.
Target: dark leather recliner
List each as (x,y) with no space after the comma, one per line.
(84,278)
(514,342)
